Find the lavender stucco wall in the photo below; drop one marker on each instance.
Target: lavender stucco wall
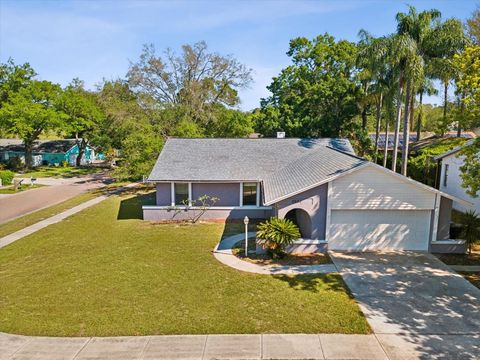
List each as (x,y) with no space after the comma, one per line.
(164,194)
(227,193)
(444,219)
(314,202)
(155,214)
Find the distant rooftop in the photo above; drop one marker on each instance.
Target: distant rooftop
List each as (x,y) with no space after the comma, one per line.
(40,146)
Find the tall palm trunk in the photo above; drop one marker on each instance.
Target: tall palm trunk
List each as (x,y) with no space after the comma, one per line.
(377,128)
(385,150)
(462,111)
(406,130)
(445,105)
(412,107)
(397,124)
(364,110)
(419,118)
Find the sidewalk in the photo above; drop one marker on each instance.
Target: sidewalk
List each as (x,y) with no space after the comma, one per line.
(267,346)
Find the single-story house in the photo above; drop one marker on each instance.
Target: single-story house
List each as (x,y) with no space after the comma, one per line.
(47,152)
(338,200)
(449,178)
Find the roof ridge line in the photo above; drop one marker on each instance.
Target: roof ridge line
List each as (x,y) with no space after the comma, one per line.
(346,153)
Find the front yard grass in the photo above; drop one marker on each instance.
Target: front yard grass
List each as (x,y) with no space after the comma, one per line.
(105,272)
(30,219)
(60,171)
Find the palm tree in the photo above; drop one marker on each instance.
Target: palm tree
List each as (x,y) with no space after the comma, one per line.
(426,87)
(415,28)
(374,69)
(447,39)
(471,228)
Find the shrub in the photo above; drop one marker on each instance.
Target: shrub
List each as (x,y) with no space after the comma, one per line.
(6,176)
(15,163)
(275,235)
(471,228)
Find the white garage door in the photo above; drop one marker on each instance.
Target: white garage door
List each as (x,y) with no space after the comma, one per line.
(358,230)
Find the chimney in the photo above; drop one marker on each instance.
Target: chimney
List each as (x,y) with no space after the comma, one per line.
(280,134)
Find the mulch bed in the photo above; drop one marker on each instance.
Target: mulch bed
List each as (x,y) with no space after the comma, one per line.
(460,259)
(290,259)
(473,277)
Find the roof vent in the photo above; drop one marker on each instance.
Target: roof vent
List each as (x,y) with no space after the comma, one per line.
(280,134)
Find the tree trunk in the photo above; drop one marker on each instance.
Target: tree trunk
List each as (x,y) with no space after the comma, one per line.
(406,130)
(364,118)
(82,144)
(364,110)
(412,107)
(397,124)
(419,119)
(445,106)
(377,128)
(28,153)
(462,110)
(385,150)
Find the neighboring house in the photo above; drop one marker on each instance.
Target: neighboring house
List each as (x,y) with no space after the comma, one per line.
(338,200)
(47,152)
(449,180)
(414,144)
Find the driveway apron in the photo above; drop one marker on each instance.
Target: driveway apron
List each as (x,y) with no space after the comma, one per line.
(417,306)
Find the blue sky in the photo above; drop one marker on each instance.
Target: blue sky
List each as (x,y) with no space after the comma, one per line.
(96,39)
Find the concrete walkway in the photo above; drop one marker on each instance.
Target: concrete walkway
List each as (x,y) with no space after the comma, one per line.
(223,253)
(416,305)
(271,346)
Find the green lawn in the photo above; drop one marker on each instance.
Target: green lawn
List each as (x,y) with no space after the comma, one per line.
(11,190)
(60,171)
(30,219)
(104,271)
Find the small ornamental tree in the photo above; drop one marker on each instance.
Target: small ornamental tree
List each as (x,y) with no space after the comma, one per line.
(196,208)
(276,234)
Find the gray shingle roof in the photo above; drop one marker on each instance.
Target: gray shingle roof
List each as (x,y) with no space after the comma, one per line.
(310,170)
(284,165)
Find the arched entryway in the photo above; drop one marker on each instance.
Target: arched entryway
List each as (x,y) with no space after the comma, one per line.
(302,220)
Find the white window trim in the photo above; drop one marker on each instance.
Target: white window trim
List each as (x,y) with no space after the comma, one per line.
(445,175)
(172,192)
(241,194)
(257,202)
(258,194)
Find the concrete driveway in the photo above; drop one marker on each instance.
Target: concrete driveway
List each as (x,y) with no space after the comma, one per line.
(25,202)
(417,307)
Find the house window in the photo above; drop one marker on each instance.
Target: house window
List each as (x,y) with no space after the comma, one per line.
(181,193)
(445,175)
(249,194)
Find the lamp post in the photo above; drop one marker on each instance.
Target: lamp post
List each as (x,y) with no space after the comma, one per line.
(245,221)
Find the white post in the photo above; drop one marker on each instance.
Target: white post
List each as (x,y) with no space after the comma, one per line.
(245,221)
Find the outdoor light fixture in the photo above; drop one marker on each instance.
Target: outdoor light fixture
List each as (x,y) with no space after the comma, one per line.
(245,221)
